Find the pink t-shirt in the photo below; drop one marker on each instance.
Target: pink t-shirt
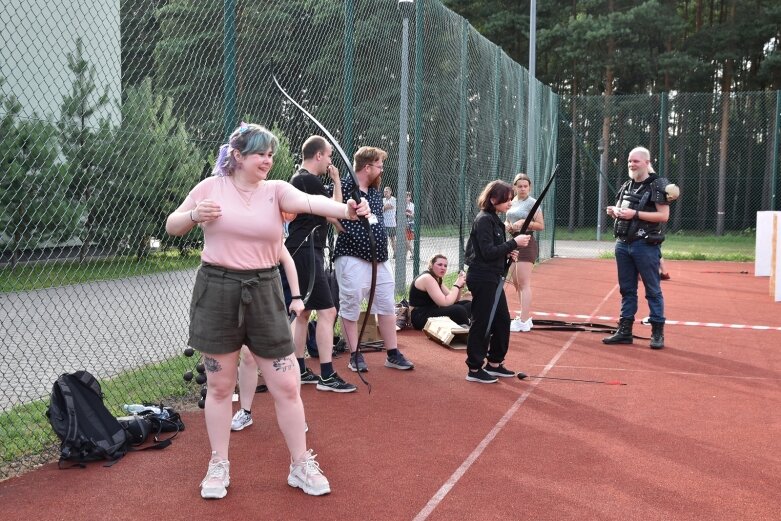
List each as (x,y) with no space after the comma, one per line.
(246,236)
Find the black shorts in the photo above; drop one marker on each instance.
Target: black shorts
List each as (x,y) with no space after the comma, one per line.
(234,308)
(321,291)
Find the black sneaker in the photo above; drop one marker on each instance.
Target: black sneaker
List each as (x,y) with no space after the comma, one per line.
(480,376)
(501,371)
(308,377)
(335,384)
(398,361)
(357,363)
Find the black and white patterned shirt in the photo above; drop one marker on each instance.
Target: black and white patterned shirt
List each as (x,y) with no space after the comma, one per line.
(354,242)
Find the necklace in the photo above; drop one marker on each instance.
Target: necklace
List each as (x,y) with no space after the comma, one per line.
(246,199)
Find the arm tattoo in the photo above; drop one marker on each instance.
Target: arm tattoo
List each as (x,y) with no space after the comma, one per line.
(212,365)
(283,364)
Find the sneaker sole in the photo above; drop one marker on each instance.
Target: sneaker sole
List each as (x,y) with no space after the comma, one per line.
(334,390)
(235,429)
(500,375)
(214,493)
(480,381)
(309,490)
(354,370)
(400,367)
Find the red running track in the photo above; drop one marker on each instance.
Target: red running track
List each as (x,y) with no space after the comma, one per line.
(692,436)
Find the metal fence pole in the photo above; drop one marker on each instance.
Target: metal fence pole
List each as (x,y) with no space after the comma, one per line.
(462,138)
(774,177)
(417,178)
(662,135)
(401,187)
(600,195)
(349,58)
(229,66)
(497,125)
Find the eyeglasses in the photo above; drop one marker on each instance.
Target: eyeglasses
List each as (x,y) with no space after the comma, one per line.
(378,167)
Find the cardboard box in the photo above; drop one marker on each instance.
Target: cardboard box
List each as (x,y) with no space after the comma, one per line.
(445,332)
(372,332)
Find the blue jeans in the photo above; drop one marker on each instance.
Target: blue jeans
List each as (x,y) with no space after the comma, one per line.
(639,258)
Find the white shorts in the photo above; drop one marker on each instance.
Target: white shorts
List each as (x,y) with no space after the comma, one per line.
(355,276)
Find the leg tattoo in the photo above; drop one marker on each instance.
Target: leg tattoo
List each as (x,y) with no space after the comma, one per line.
(212,365)
(283,364)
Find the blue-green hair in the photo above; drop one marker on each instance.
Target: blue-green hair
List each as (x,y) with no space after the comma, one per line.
(248,138)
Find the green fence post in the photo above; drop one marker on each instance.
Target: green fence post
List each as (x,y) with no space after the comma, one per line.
(229,65)
(349,58)
(417,181)
(462,139)
(662,134)
(777,138)
(497,119)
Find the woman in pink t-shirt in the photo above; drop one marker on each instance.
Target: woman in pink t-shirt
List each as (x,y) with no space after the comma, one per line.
(237,298)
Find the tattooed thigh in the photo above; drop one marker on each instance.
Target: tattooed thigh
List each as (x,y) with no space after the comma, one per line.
(211,365)
(283,364)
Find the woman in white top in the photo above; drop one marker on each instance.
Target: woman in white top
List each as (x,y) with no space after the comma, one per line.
(521,270)
(389,216)
(410,232)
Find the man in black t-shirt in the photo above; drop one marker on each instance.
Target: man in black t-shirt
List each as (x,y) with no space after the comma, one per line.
(316,161)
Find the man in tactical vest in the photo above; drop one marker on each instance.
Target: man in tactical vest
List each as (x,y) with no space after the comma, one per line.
(642,207)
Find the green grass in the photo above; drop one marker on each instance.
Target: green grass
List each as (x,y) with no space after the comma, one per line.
(51,274)
(685,245)
(25,430)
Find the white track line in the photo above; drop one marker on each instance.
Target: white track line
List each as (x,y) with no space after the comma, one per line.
(667,322)
(437,498)
(674,373)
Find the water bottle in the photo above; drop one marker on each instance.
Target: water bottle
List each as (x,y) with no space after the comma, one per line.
(136,408)
(133,408)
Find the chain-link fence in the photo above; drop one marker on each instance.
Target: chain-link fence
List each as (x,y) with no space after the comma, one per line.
(722,151)
(111,111)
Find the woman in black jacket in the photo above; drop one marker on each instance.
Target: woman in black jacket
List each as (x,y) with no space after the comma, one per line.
(488,254)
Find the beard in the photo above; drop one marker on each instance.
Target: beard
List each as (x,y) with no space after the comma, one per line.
(635,175)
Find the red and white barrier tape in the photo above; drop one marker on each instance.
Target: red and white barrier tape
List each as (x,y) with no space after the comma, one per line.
(668,322)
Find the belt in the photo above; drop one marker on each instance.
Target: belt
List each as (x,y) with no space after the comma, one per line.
(247,278)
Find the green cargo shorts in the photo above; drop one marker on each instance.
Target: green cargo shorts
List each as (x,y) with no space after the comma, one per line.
(232,308)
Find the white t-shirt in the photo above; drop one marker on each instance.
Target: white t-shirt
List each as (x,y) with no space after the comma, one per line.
(389,214)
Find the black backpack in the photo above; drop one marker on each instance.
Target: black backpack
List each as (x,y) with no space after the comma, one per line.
(87,430)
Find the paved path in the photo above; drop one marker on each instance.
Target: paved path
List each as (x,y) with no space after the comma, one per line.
(110,326)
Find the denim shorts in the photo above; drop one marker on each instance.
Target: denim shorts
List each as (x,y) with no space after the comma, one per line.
(233,308)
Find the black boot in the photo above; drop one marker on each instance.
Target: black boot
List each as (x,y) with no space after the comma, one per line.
(657,335)
(623,334)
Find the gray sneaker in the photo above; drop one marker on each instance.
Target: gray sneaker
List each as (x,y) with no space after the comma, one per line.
(357,363)
(241,420)
(398,361)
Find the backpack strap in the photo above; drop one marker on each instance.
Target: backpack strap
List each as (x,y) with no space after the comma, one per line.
(67,395)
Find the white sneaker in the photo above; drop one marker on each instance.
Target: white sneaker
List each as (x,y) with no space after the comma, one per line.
(241,420)
(516,324)
(527,325)
(215,484)
(307,476)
